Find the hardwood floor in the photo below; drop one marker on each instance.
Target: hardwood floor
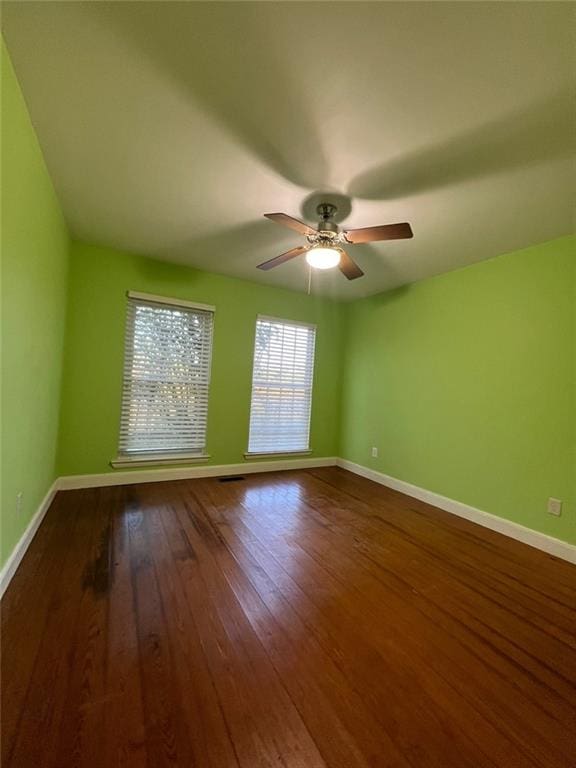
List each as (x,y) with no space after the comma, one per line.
(298,619)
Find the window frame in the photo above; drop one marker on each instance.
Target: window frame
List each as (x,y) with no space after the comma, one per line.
(279,452)
(158,457)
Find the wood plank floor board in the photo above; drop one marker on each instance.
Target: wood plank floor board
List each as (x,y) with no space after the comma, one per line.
(305,619)
(474,590)
(355,649)
(122,701)
(562,734)
(482,613)
(212,744)
(45,704)
(21,637)
(275,725)
(531,570)
(168,739)
(75,738)
(270,527)
(318,687)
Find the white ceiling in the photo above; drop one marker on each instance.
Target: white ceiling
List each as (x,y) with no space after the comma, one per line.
(169,128)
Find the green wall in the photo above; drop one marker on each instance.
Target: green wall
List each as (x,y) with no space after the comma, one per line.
(99,279)
(466,385)
(34,245)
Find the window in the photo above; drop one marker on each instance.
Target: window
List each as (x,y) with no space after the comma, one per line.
(281,386)
(167,359)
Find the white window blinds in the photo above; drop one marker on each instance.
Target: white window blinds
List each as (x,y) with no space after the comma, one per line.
(167,359)
(281,386)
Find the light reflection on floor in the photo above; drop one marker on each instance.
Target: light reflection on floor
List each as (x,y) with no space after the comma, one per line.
(285,497)
(279,506)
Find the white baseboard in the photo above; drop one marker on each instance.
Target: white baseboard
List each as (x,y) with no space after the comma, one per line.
(548,544)
(188,473)
(11,565)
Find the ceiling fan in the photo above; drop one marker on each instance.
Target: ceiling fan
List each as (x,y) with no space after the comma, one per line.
(324,243)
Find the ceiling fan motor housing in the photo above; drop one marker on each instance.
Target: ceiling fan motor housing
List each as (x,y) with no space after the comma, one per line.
(326,211)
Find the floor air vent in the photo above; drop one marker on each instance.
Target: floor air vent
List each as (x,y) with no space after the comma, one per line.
(230,479)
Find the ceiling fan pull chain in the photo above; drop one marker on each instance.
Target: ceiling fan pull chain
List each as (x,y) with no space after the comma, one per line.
(309,279)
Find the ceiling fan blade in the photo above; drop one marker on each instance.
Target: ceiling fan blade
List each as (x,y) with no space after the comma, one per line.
(277,260)
(386,232)
(348,267)
(290,221)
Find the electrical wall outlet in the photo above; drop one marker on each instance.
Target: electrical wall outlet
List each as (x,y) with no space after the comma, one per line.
(374,452)
(554,507)
(18,502)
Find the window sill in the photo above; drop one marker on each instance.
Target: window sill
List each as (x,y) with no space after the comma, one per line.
(158,460)
(259,455)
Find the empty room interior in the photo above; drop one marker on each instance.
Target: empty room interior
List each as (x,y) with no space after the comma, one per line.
(288,394)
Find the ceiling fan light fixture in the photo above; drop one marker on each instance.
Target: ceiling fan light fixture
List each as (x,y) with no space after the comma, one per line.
(323,257)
